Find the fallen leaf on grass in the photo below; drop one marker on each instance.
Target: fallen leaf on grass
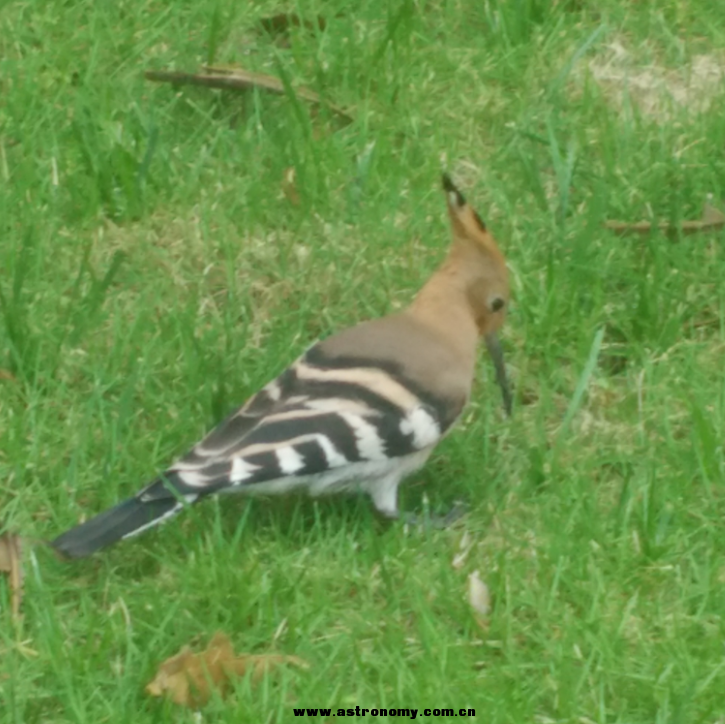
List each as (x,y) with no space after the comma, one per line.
(7,376)
(11,563)
(189,679)
(282,23)
(234,78)
(289,186)
(478,596)
(712,219)
(464,548)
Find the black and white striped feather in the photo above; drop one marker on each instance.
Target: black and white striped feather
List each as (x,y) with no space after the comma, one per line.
(329,423)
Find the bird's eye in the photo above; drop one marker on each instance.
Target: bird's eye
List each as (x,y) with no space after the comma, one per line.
(497,304)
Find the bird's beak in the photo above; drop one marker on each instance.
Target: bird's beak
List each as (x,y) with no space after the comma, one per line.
(494,349)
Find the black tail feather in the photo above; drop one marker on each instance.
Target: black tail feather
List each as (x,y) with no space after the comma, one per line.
(130,516)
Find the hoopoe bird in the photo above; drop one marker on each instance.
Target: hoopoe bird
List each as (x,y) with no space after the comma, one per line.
(360,410)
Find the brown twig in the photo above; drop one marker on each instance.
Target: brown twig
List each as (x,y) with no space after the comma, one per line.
(712,219)
(233,78)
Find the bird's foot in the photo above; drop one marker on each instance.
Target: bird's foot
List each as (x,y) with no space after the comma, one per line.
(430,520)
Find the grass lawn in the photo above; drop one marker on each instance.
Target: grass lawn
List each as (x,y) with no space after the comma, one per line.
(154,274)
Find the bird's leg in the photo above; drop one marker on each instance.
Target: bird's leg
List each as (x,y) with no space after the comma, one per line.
(426,519)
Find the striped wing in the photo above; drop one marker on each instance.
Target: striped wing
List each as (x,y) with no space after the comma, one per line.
(319,415)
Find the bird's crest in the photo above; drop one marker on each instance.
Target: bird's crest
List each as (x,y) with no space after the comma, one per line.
(467,225)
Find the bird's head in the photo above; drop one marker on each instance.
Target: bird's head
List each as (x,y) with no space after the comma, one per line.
(481,264)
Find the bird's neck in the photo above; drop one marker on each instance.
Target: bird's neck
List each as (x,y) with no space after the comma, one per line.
(444,304)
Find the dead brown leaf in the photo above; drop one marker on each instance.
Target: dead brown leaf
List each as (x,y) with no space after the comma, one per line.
(7,376)
(479,599)
(711,220)
(11,563)
(189,679)
(289,186)
(464,548)
(282,23)
(235,78)
(478,596)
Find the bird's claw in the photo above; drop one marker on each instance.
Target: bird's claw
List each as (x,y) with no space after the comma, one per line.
(428,520)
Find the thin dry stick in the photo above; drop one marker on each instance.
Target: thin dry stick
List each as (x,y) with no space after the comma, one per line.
(232,78)
(712,219)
